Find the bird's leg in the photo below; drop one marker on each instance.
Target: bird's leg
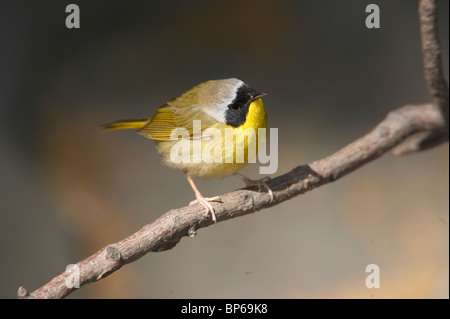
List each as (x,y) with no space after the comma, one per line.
(259,182)
(204,201)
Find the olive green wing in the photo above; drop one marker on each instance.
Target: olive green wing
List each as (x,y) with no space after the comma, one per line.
(174,116)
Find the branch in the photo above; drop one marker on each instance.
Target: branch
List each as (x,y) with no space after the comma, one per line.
(434,76)
(408,129)
(165,232)
(432,53)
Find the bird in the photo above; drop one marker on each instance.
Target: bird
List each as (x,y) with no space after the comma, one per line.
(186,122)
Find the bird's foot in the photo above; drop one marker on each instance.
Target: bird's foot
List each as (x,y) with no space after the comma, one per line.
(206,202)
(259,182)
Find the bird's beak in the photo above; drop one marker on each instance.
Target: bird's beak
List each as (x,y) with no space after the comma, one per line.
(258,95)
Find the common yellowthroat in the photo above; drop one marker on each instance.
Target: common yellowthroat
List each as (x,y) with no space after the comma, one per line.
(219,104)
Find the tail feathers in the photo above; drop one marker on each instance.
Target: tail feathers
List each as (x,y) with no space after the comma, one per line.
(126,124)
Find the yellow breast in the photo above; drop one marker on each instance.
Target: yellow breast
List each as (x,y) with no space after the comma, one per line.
(235,152)
(256,116)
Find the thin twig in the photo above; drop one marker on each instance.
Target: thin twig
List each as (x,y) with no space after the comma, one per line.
(167,231)
(434,77)
(432,53)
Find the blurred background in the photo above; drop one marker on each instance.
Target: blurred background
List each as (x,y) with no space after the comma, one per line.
(67,188)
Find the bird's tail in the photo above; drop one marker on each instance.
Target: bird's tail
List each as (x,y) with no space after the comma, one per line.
(127,124)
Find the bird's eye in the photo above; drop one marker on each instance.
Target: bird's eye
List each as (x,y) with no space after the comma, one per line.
(244,96)
(236,106)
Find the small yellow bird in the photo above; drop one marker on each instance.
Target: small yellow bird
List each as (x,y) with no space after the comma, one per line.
(227,104)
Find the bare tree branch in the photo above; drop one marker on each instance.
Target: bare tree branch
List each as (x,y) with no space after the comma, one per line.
(167,231)
(432,53)
(434,76)
(409,128)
